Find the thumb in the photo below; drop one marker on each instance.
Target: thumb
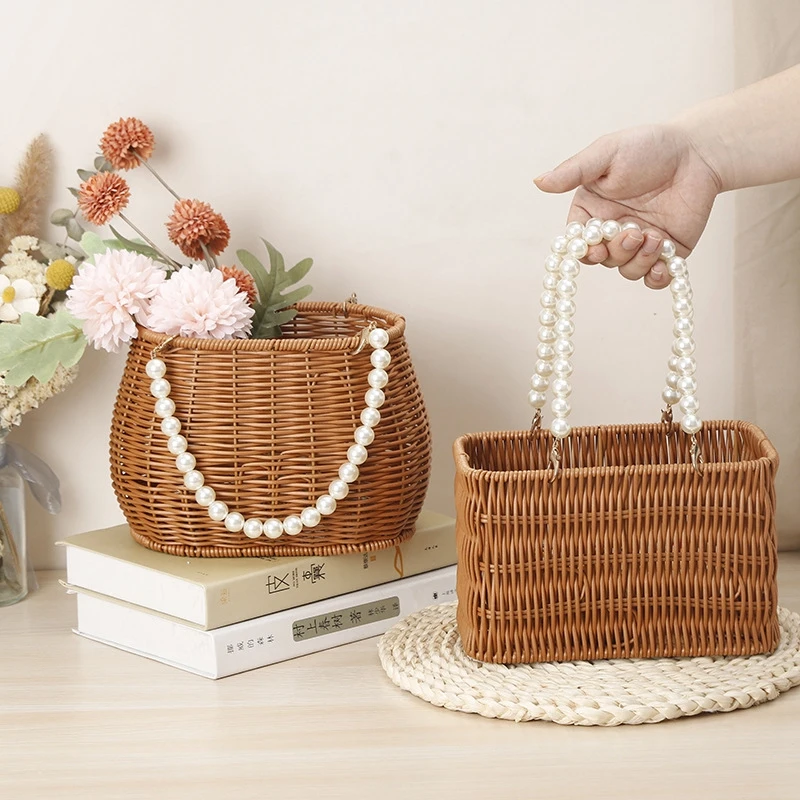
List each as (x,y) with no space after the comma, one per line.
(590,164)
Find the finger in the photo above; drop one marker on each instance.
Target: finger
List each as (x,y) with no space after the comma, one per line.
(582,168)
(645,258)
(623,247)
(658,277)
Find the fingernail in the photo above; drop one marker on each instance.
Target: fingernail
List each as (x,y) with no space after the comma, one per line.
(542,176)
(632,240)
(651,244)
(657,272)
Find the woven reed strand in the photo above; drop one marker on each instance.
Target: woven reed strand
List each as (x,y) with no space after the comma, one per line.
(269,422)
(628,553)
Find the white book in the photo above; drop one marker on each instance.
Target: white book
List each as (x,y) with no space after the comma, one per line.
(265,640)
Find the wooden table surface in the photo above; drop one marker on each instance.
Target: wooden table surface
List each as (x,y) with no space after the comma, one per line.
(79,719)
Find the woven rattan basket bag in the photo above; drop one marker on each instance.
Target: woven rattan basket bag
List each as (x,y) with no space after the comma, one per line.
(269,454)
(615,541)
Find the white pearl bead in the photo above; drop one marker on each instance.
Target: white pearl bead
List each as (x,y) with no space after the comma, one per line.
(338,489)
(253,528)
(682,307)
(357,453)
(545,352)
(673,363)
(565,327)
(683,346)
(670,395)
(667,249)
(564,347)
(170,426)
(273,528)
(560,407)
(567,288)
(577,248)
(544,368)
(160,388)
(364,435)
(672,380)
(570,268)
(310,517)
(686,365)
(165,407)
(378,338)
(234,521)
(155,368)
(377,378)
(185,462)
(679,287)
(374,398)
(610,228)
(218,511)
(687,384)
(205,496)
(565,308)
(539,383)
(631,226)
(370,417)
(548,317)
(560,428)
(551,281)
(574,229)
(691,424)
(380,358)
(193,480)
(553,264)
(592,234)
(537,399)
(548,299)
(676,267)
(547,335)
(326,505)
(559,245)
(689,404)
(683,327)
(293,525)
(562,367)
(594,222)
(177,444)
(348,472)
(561,388)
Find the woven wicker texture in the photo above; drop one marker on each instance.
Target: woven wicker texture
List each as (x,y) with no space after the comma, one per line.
(269,422)
(423,655)
(627,553)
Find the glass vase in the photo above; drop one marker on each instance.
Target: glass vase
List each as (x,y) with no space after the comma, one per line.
(13,566)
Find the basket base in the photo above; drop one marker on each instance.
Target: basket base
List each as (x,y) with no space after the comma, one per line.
(259,551)
(423,655)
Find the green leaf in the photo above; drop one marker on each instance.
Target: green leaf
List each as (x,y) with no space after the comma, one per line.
(85,174)
(74,229)
(275,261)
(61,216)
(101,165)
(73,191)
(122,243)
(92,244)
(270,327)
(298,272)
(264,280)
(51,251)
(35,346)
(281,301)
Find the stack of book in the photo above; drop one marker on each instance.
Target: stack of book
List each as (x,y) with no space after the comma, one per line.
(220,616)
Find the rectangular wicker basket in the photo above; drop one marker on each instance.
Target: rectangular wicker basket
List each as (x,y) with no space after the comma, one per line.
(630,552)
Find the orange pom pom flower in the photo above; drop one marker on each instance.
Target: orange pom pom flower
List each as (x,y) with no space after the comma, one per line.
(194,225)
(103,196)
(126,143)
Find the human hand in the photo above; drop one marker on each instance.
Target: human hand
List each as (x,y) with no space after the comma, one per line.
(651,175)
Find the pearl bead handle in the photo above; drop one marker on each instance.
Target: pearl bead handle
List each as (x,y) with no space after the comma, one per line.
(555,348)
(325,504)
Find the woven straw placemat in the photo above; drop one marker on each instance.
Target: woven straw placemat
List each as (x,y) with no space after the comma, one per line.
(422,654)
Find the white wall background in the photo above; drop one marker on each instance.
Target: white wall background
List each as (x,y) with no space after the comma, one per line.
(395,143)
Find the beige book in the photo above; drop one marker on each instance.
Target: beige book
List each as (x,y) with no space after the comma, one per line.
(212,592)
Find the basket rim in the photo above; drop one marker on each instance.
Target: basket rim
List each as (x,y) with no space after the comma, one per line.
(769,455)
(395,328)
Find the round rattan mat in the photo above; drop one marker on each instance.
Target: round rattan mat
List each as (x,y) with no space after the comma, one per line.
(422,654)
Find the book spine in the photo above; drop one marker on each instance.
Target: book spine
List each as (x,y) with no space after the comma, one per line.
(281,586)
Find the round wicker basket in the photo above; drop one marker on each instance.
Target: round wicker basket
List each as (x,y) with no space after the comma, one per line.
(269,422)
